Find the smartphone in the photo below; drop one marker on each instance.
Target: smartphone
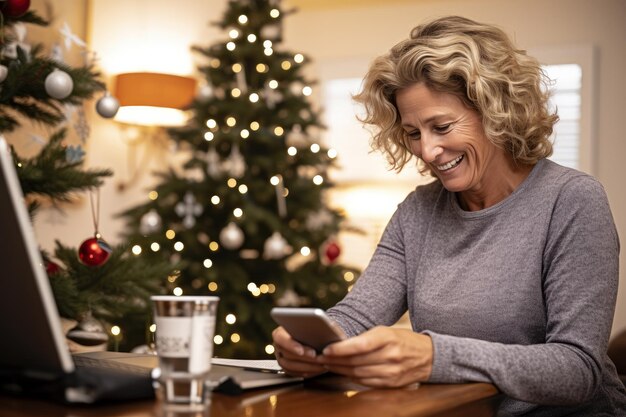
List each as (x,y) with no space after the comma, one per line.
(309,326)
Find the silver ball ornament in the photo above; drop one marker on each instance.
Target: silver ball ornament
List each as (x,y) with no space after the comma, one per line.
(89,332)
(231,236)
(150,222)
(107,106)
(275,247)
(4,71)
(59,84)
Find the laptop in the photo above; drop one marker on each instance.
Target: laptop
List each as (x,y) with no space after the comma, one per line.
(34,355)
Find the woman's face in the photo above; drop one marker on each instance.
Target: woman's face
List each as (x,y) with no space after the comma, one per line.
(449,138)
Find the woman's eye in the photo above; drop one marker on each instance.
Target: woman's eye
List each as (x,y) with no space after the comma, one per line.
(443,128)
(414,135)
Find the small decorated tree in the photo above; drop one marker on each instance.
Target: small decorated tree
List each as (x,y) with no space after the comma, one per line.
(38,88)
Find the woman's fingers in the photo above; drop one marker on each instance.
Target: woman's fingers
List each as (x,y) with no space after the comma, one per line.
(381,357)
(293,357)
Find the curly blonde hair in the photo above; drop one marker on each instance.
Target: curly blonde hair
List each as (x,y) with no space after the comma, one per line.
(477,63)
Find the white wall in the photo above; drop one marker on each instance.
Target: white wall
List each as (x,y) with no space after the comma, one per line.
(360,33)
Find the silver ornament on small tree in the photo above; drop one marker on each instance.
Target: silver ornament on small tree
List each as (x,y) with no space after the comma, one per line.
(231,236)
(59,84)
(88,332)
(107,106)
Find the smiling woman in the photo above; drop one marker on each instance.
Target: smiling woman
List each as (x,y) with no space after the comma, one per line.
(507,263)
(449,138)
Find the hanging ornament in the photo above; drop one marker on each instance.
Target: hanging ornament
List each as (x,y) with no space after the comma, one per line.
(241,80)
(74,154)
(70,38)
(331,252)
(14,8)
(107,106)
(4,71)
(10,49)
(272,97)
(275,247)
(318,220)
(281,202)
(236,164)
(296,137)
(59,84)
(213,167)
(150,222)
(231,236)
(52,268)
(56,53)
(205,93)
(88,332)
(94,251)
(188,209)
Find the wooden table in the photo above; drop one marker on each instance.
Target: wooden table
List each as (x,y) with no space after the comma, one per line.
(327,396)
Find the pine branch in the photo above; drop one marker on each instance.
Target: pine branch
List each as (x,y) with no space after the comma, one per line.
(50,174)
(119,290)
(23,91)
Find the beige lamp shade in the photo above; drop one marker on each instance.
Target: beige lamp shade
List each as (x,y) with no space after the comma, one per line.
(153,99)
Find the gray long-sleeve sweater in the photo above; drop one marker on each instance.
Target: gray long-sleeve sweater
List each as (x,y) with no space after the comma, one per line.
(521,294)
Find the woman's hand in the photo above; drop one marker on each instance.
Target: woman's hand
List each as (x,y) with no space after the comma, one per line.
(295,358)
(381,357)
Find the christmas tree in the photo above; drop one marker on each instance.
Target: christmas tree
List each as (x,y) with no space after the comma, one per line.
(38,87)
(246,216)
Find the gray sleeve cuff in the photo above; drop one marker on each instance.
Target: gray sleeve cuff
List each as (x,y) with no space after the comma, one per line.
(443,360)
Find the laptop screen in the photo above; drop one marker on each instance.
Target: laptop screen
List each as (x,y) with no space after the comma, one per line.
(32,339)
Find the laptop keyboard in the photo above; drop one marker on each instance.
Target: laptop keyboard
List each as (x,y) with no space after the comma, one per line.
(86,362)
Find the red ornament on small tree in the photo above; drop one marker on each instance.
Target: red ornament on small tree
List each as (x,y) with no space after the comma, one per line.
(14,8)
(94,251)
(52,268)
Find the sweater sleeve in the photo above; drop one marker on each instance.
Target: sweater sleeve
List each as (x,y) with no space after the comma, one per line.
(580,276)
(379,296)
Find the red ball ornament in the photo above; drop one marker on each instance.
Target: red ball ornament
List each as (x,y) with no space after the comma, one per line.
(14,8)
(332,251)
(94,252)
(52,268)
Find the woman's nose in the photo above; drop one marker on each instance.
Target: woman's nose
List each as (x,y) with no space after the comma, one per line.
(429,149)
